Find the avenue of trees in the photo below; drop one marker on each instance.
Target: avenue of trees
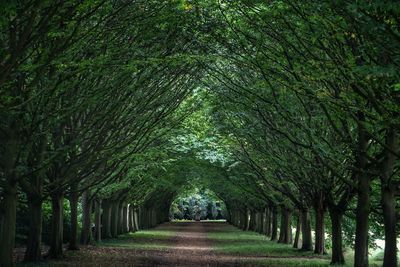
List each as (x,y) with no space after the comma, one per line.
(289,111)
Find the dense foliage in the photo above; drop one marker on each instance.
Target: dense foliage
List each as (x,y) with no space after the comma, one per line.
(288,111)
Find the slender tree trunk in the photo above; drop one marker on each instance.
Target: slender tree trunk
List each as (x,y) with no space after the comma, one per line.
(136,219)
(269,221)
(363,199)
(296,243)
(248,219)
(56,238)
(97,220)
(254,221)
(131,219)
(8,210)
(106,219)
(125,227)
(120,227)
(33,247)
(260,222)
(264,222)
(86,223)
(306,243)
(73,202)
(389,216)
(244,220)
(114,218)
(282,227)
(7,231)
(362,224)
(388,197)
(337,243)
(274,230)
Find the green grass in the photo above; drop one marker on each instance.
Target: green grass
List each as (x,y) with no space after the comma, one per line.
(238,242)
(154,239)
(232,241)
(144,239)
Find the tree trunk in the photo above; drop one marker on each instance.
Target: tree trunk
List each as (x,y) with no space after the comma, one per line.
(125,226)
(136,220)
(388,198)
(33,247)
(362,224)
(363,199)
(261,222)
(306,243)
(296,242)
(285,234)
(268,222)
(319,231)
(73,202)
(131,219)
(86,223)
(248,219)
(56,239)
(389,216)
(120,224)
(282,227)
(274,230)
(243,220)
(264,222)
(97,220)
(337,246)
(7,231)
(114,219)
(106,219)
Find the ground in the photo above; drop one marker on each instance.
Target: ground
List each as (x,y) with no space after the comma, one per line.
(190,244)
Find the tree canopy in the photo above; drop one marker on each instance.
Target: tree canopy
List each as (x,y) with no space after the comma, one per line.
(286,111)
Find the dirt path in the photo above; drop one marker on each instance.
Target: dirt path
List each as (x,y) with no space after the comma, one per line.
(187,246)
(190,247)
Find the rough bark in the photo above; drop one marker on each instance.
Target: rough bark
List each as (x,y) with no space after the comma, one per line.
(388,198)
(363,199)
(285,234)
(264,222)
(319,247)
(248,219)
(296,243)
(106,219)
(125,214)
(268,222)
(56,239)
(114,219)
(33,246)
(274,224)
(7,231)
(97,220)
(389,216)
(120,222)
(131,224)
(306,242)
(86,223)
(337,243)
(136,220)
(73,202)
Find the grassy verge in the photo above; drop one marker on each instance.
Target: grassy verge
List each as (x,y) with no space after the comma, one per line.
(109,252)
(145,239)
(263,252)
